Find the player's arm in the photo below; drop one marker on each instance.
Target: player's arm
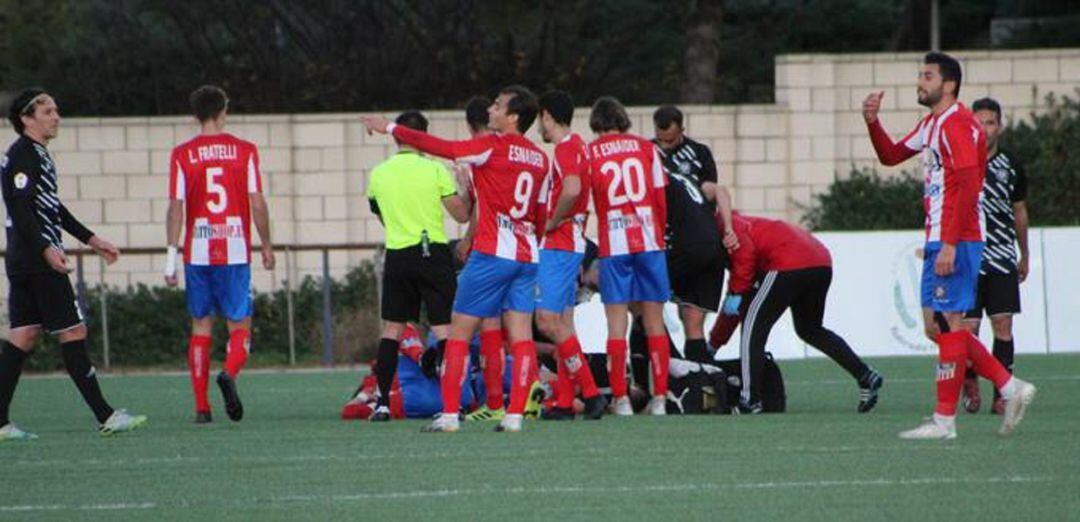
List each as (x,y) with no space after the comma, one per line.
(73,226)
(471,151)
(571,189)
(174,218)
(709,175)
(457,199)
(743,262)
(660,181)
(888,153)
(724,208)
(260,215)
(1020,216)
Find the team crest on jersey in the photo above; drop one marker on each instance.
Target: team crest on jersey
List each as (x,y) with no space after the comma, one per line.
(1001,175)
(21,180)
(684,169)
(946,371)
(939,292)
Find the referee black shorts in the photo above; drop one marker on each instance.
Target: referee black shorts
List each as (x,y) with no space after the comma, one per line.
(411,279)
(997,294)
(697,275)
(44,299)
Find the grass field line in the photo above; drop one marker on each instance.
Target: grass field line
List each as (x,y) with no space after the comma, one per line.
(539,490)
(427,456)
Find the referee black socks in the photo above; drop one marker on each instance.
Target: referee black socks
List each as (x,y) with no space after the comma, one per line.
(11,365)
(84,375)
(386,367)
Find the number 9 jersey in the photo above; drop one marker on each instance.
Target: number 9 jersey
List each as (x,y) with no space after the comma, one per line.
(214,176)
(628,183)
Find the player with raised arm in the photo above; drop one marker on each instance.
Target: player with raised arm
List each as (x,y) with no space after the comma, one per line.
(628,184)
(953,148)
(215,192)
(500,275)
(40,296)
(562,251)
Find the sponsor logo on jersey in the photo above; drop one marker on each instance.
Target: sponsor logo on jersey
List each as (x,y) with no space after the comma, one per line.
(218,231)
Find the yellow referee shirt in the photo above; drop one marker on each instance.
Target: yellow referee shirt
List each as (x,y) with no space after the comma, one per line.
(408,189)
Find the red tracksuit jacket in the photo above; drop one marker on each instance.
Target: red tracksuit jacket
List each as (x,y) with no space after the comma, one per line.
(766,245)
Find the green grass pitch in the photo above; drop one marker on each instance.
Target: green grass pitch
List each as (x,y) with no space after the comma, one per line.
(293,459)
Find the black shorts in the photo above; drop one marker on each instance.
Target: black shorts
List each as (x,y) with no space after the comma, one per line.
(997,294)
(45,299)
(410,278)
(697,275)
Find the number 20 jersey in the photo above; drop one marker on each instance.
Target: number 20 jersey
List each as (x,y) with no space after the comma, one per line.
(214,175)
(628,183)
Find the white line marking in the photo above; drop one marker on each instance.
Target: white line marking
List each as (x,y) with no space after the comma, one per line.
(544,490)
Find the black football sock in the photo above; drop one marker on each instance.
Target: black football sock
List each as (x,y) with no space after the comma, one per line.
(386,367)
(84,376)
(639,355)
(696,350)
(11,365)
(1004,352)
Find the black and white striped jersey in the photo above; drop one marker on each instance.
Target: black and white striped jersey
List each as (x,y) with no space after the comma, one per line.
(1005,184)
(35,216)
(691,159)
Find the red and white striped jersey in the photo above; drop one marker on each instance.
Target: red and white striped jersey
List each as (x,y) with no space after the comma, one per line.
(628,183)
(507,173)
(571,159)
(214,176)
(953,148)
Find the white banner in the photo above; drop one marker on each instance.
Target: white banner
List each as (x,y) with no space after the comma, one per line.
(874,300)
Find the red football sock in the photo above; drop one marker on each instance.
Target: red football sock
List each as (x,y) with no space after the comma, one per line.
(570,351)
(491,351)
(199,367)
(397,405)
(984,363)
(952,359)
(454,360)
(239,346)
(616,351)
(659,359)
(564,387)
(524,355)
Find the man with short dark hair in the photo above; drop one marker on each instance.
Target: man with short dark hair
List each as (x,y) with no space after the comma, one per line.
(40,296)
(953,146)
(1006,219)
(695,250)
(215,193)
(562,251)
(409,192)
(500,275)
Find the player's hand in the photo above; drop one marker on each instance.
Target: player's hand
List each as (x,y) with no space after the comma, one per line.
(462,249)
(105,249)
(731,305)
(374,124)
(1022,268)
(945,263)
(731,241)
(171,281)
(268,259)
(871,105)
(56,260)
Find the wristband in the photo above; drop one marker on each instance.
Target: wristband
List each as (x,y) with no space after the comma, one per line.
(170,261)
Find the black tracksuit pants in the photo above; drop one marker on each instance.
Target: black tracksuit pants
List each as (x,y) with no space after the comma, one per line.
(803,291)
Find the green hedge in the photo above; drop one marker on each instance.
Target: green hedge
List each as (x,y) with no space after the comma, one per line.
(1048,148)
(149,326)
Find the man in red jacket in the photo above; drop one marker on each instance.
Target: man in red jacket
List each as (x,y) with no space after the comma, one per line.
(793,270)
